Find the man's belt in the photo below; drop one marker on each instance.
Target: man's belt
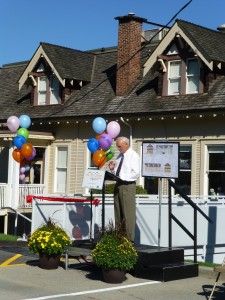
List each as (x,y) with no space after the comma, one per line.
(124,182)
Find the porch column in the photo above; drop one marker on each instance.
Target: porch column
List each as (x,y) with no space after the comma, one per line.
(13,180)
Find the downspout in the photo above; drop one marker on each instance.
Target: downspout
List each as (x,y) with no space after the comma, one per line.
(131,137)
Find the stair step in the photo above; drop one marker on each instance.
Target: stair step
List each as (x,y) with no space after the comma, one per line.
(167,272)
(149,256)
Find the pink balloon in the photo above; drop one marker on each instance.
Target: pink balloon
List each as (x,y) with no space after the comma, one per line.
(13,123)
(113,129)
(22,170)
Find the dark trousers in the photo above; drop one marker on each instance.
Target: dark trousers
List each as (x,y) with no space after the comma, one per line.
(125,207)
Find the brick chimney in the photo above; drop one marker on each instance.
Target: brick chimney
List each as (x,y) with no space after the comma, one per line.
(129,54)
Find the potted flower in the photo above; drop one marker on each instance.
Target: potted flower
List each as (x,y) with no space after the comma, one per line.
(114,253)
(49,241)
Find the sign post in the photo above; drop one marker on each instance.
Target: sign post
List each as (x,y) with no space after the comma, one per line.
(160,160)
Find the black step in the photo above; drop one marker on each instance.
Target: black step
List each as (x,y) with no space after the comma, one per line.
(153,255)
(167,272)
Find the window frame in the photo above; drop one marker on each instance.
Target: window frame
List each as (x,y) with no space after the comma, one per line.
(61,168)
(192,75)
(49,90)
(170,78)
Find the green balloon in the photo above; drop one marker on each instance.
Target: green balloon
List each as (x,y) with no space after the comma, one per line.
(24,132)
(110,153)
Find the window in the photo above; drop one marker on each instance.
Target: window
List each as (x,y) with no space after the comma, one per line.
(48,90)
(183,77)
(193,73)
(54,88)
(184,179)
(61,169)
(42,90)
(216,169)
(35,169)
(174,77)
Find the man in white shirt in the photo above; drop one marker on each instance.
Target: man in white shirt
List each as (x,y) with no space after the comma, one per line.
(127,168)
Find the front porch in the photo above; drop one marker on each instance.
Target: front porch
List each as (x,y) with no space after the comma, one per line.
(10,221)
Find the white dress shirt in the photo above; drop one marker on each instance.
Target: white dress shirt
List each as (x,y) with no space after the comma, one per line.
(130,170)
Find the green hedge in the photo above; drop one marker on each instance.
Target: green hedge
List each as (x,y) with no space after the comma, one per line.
(109,189)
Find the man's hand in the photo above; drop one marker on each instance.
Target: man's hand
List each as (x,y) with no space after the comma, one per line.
(111,165)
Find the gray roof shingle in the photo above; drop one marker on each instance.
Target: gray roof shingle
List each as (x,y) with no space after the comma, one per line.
(98,96)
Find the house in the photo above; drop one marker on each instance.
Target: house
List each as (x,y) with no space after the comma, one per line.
(170,87)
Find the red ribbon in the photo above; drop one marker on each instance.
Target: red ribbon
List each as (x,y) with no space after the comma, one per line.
(29,199)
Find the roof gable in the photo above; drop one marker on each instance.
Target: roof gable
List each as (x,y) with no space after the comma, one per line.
(66,63)
(208,44)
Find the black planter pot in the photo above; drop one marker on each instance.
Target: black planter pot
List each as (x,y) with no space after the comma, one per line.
(114,276)
(49,262)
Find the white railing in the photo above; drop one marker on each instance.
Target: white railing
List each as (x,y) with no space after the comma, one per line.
(29,189)
(40,189)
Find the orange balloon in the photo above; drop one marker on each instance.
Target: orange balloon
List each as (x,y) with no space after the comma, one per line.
(27,150)
(99,158)
(99,135)
(17,155)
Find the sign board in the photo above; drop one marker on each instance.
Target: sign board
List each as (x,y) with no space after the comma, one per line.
(93,179)
(160,159)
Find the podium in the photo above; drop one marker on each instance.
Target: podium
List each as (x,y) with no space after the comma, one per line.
(111,177)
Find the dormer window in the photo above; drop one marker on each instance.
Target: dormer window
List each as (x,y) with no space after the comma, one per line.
(174,78)
(48,90)
(42,90)
(193,76)
(183,77)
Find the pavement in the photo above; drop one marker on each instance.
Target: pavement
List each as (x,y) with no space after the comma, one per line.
(21,278)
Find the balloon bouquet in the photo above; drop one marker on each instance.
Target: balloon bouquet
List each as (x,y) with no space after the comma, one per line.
(24,151)
(101,146)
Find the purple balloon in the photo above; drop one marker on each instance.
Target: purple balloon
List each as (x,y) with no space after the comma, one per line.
(32,155)
(13,123)
(105,141)
(113,129)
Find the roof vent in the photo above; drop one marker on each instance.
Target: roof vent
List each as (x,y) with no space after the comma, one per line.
(221,28)
(131,14)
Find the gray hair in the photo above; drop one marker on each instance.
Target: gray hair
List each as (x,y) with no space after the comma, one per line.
(123,139)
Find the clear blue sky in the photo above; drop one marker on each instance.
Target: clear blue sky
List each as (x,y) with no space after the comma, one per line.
(88,24)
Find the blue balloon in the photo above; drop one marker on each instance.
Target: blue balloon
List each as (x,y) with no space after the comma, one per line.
(99,125)
(25,121)
(93,145)
(27,168)
(19,140)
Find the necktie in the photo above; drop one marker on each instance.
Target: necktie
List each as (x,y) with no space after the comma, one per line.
(120,165)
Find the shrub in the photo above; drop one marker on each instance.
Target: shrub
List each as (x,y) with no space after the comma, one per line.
(109,189)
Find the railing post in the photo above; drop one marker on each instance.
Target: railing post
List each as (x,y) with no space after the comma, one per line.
(169,215)
(195,235)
